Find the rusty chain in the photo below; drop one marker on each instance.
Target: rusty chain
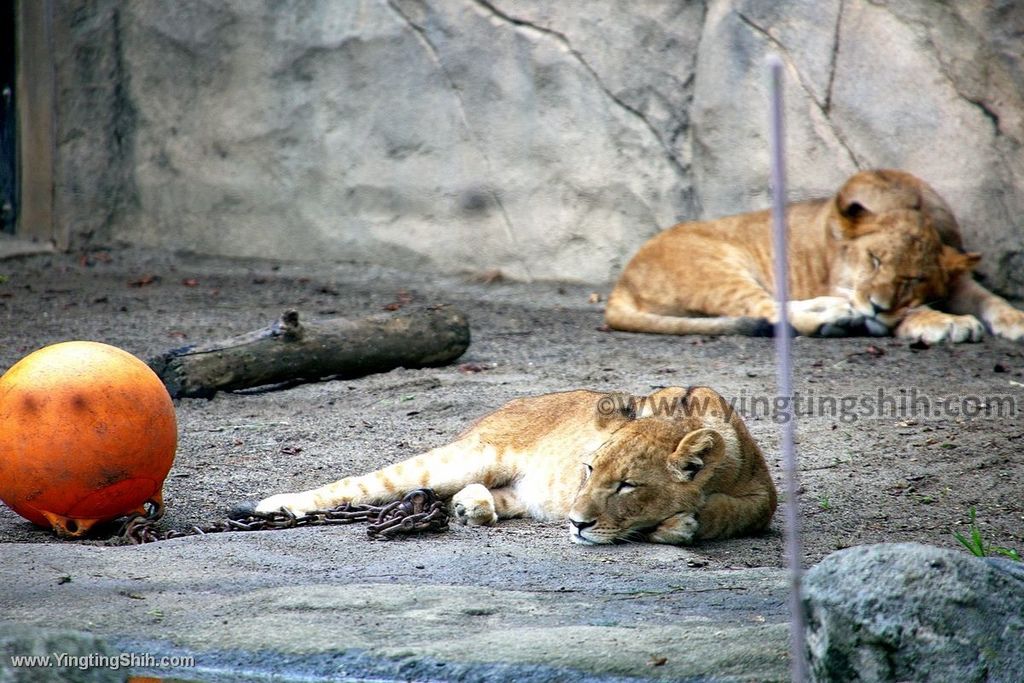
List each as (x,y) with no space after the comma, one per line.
(419,511)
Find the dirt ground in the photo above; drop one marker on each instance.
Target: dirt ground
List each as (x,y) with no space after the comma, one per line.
(864,478)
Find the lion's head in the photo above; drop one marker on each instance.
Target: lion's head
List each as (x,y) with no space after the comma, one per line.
(881,190)
(889,262)
(645,483)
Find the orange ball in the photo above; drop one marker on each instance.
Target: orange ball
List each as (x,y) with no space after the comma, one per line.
(87,434)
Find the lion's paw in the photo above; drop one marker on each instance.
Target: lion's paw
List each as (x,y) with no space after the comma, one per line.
(676,530)
(296,503)
(933,327)
(1008,322)
(827,316)
(474,505)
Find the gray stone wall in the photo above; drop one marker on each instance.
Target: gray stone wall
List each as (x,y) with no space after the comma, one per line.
(547,139)
(95,122)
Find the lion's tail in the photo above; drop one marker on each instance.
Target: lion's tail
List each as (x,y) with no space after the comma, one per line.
(622,313)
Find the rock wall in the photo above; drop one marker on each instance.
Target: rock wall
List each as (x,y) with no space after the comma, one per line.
(95,121)
(545,139)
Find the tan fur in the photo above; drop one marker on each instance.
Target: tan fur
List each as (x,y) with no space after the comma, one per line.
(673,467)
(874,256)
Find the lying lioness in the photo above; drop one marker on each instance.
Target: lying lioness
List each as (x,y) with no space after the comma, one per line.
(673,467)
(875,257)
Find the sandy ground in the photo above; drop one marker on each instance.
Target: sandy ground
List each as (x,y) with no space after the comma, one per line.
(865,477)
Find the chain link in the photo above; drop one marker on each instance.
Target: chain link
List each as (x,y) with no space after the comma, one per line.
(419,511)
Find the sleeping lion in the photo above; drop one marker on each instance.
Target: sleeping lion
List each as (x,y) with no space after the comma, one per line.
(875,257)
(675,467)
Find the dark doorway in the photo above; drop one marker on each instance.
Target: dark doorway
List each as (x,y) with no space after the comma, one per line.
(8,121)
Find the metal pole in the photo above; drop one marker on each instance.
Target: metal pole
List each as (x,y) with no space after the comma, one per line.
(784,352)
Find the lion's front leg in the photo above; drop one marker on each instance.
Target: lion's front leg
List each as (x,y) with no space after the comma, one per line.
(679,529)
(968,297)
(726,516)
(826,316)
(932,327)
(477,505)
(474,505)
(721,516)
(1006,321)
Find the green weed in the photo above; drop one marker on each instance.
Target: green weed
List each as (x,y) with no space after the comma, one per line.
(977,546)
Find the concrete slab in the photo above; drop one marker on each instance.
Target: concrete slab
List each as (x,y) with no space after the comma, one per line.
(330,602)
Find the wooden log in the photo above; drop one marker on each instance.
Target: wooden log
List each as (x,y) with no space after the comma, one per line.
(294,351)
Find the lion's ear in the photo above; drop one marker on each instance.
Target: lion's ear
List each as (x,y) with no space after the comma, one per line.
(955,262)
(694,452)
(851,209)
(616,408)
(871,193)
(851,217)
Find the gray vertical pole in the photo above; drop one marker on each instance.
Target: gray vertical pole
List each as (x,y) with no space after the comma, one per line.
(784,352)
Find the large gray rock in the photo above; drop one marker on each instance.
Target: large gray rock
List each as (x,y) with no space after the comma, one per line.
(64,655)
(545,139)
(910,612)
